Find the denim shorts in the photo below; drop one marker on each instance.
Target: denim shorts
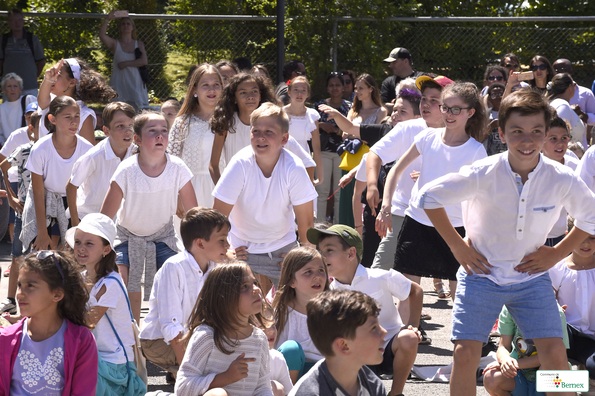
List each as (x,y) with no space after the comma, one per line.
(524,387)
(17,245)
(163,252)
(478,302)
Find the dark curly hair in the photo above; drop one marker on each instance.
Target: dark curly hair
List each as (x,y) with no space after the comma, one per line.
(92,87)
(222,121)
(74,304)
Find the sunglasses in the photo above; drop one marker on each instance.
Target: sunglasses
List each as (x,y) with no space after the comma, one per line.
(454,110)
(562,69)
(495,95)
(511,66)
(336,74)
(44,254)
(541,67)
(498,78)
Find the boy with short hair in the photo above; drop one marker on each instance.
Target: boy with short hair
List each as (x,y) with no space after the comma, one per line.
(510,202)
(342,248)
(91,174)
(18,158)
(344,327)
(261,189)
(177,285)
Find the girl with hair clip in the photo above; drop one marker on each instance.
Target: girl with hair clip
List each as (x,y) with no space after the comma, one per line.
(421,251)
(49,351)
(231,120)
(303,122)
(191,137)
(51,161)
(227,353)
(109,312)
(303,276)
(126,79)
(74,77)
(560,91)
(149,184)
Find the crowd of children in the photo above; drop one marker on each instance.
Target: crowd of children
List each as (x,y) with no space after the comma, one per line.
(213,211)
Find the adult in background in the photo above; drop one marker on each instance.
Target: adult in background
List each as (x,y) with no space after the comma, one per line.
(291,69)
(583,101)
(227,70)
(400,62)
(21,53)
(349,87)
(510,62)
(542,73)
(493,74)
(560,90)
(12,109)
(126,79)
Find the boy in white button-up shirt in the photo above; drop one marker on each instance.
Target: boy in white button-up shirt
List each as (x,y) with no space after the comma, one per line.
(178,283)
(341,247)
(510,202)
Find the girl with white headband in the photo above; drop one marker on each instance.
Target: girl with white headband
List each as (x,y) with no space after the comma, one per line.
(74,77)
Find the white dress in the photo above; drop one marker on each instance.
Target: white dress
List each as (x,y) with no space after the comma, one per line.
(191,139)
(127,82)
(301,127)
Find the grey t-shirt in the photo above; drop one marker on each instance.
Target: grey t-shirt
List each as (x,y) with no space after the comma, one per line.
(18,58)
(319,381)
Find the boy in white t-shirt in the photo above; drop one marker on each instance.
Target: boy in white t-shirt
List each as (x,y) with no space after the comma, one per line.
(342,248)
(178,283)
(261,189)
(510,202)
(91,174)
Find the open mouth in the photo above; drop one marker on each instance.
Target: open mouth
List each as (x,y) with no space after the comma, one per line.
(526,152)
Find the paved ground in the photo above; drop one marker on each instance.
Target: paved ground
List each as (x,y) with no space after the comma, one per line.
(439,353)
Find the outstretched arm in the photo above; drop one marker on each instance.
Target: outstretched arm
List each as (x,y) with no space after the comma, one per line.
(105,39)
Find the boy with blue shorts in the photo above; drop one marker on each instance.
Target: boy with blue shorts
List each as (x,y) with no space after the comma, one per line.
(510,203)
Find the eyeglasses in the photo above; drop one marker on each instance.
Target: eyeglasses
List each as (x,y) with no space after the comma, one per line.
(495,95)
(562,69)
(44,254)
(498,78)
(453,110)
(511,66)
(541,67)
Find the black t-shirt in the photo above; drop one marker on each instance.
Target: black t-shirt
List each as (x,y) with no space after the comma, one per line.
(387,91)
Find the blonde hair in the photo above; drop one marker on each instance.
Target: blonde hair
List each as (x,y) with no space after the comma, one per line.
(271,110)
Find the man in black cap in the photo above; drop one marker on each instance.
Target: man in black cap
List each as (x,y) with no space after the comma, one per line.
(399,61)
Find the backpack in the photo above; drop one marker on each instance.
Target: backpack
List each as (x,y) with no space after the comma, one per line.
(28,36)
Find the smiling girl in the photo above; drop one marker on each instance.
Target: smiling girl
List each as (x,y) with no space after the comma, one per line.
(150,184)
(50,162)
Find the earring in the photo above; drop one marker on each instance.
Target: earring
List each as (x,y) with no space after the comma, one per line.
(195,95)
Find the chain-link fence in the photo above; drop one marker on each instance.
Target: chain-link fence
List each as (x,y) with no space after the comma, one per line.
(460,50)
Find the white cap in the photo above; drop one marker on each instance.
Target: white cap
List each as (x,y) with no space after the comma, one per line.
(96,224)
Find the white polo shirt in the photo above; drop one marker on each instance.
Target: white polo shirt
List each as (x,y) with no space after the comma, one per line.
(506,220)
(586,168)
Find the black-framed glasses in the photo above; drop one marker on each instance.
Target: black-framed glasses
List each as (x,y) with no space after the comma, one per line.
(495,78)
(495,95)
(44,254)
(453,110)
(512,66)
(541,67)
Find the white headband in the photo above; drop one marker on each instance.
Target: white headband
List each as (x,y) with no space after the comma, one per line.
(76,71)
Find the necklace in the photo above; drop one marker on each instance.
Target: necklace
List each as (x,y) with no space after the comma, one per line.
(581,265)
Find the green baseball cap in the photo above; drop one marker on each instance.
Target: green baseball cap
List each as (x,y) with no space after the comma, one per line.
(346,233)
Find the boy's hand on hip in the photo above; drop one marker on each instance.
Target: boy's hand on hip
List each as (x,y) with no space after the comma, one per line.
(470,259)
(539,261)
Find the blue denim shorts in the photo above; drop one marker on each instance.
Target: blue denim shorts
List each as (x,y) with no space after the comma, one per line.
(162,251)
(478,302)
(524,387)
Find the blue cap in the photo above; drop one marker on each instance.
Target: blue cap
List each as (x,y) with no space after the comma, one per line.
(31,107)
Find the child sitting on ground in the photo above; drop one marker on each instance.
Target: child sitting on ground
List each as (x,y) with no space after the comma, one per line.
(280,380)
(342,248)
(91,174)
(344,326)
(177,285)
(261,189)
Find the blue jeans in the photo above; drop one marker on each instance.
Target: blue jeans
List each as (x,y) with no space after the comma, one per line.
(163,252)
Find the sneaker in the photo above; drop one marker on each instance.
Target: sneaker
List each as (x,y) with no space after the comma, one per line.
(494,332)
(8,305)
(170,379)
(7,272)
(425,316)
(425,340)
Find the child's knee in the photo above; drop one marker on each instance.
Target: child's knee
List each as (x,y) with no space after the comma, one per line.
(493,380)
(294,354)
(407,341)
(216,392)
(467,353)
(277,388)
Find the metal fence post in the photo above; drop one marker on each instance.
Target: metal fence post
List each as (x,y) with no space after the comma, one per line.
(280,39)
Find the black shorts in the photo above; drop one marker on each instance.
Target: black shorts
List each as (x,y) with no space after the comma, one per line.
(388,357)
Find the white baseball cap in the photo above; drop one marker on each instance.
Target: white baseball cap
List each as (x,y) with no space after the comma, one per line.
(96,224)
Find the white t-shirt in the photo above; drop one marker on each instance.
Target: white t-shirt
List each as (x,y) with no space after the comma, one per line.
(149,202)
(117,308)
(279,370)
(293,146)
(11,115)
(84,110)
(44,160)
(441,160)
(382,286)
(296,329)
(262,217)
(361,175)
(300,128)
(578,132)
(586,168)
(393,146)
(16,139)
(92,174)
(559,228)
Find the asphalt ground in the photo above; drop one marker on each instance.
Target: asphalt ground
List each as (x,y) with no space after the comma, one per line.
(438,329)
